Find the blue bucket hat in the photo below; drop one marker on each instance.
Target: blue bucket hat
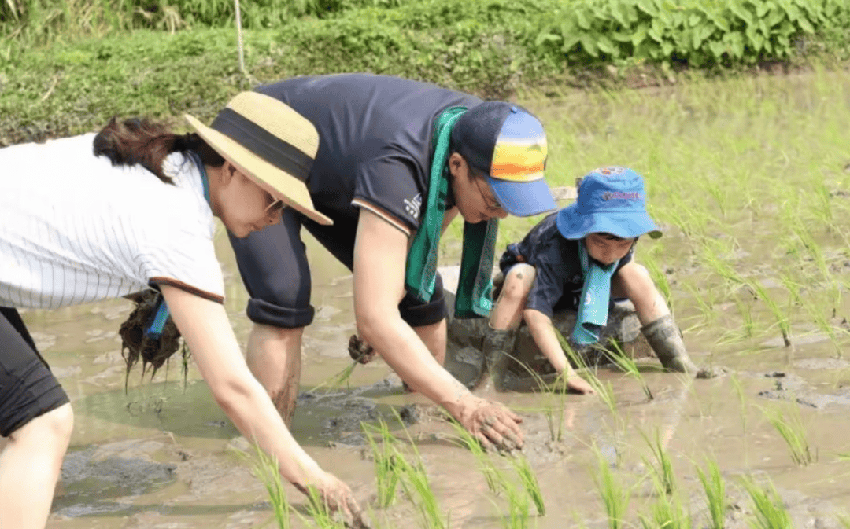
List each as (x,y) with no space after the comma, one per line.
(508,144)
(610,200)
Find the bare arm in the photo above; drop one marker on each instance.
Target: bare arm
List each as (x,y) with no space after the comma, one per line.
(206,329)
(543,331)
(380,253)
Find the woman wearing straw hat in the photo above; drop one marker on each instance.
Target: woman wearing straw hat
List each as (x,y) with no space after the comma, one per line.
(398,160)
(89,235)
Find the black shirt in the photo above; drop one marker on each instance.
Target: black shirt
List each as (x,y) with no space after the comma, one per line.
(375,140)
(558,281)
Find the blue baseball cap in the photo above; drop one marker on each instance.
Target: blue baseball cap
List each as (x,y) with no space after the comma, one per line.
(508,144)
(610,200)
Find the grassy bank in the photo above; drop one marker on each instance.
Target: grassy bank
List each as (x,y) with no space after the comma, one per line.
(68,69)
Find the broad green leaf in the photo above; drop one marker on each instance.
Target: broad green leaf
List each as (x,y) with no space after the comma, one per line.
(545,38)
(589,45)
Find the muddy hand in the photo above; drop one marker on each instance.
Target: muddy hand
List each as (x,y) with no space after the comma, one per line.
(494,425)
(360,351)
(338,498)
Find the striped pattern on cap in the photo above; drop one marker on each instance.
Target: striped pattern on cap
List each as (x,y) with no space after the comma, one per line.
(521,149)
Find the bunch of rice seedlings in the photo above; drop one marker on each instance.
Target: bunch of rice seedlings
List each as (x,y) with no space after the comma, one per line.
(519,497)
(794,433)
(604,391)
(663,467)
(615,497)
(667,513)
(266,468)
(529,481)
(715,494)
(628,365)
(768,509)
(386,462)
(320,513)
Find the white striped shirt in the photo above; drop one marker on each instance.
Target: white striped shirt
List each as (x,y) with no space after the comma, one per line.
(75,229)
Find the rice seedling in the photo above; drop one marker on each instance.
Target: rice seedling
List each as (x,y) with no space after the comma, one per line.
(338,379)
(519,497)
(715,494)
(553,406)
(492,476)
(662,467)
(414,480)
(794,433)
(266,468)
(768,510)
(746,316)
(530,483)
(386,466)
(320,513)
(615,496)
(781,318)
(627,364)
(667,513)
(603,390)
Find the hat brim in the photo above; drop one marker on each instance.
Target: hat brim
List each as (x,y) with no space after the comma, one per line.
(281,185)
(573,225)
(523,199)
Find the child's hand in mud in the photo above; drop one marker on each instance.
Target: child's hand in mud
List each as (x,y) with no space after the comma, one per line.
(338,498)
(494,425)
(360,351)
(579,385)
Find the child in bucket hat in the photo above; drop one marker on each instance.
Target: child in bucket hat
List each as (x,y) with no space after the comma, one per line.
(581,258)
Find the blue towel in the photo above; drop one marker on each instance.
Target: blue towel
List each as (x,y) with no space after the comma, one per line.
(595,298)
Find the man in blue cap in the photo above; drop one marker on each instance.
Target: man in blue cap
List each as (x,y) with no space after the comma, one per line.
(397,161)
(581,258)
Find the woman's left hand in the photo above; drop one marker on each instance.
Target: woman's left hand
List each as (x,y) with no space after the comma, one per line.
(494,425)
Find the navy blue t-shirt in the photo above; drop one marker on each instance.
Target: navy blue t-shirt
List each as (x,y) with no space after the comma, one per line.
(375,140)
(558,281)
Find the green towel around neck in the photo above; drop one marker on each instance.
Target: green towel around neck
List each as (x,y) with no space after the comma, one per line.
(479,240)
(595,297)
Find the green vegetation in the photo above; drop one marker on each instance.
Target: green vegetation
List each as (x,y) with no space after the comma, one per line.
(792,430)
(66,67)
(768,509)
(662,467)
(715,494)
(615,496)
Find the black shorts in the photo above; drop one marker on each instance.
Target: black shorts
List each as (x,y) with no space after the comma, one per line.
(274,268)
(27,387)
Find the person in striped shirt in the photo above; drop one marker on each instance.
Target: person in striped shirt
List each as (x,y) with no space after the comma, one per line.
(76,226)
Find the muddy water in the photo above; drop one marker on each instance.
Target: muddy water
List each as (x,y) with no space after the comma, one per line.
(165,456)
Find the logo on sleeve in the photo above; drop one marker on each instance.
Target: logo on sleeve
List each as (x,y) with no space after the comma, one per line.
(413,205)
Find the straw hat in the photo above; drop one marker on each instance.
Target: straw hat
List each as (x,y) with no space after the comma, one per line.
(269,142)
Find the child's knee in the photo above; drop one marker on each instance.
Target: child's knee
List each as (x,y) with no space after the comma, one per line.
(518,283)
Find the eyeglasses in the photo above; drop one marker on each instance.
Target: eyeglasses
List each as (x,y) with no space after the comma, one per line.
(490,201)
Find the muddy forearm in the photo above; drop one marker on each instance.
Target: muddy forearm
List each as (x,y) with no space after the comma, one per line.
(543,332)
(403,350)
(248,405)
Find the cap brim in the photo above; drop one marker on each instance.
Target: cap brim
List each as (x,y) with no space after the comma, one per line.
(523,199)
(292,191)
(575,226)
